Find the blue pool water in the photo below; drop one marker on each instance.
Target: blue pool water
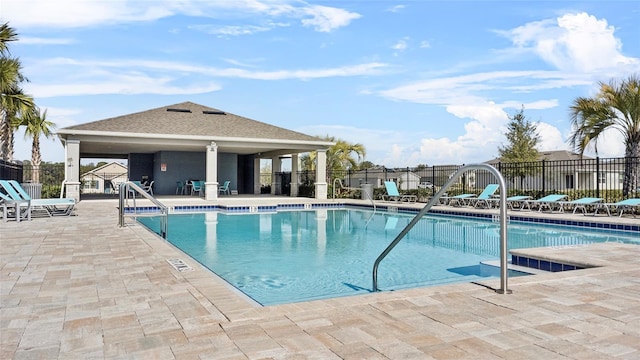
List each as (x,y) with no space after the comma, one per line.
(291,256)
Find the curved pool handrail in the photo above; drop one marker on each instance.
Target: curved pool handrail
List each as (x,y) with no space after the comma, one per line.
(503,224)
(127,187)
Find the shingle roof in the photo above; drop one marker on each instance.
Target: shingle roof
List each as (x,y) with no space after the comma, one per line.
(188,118)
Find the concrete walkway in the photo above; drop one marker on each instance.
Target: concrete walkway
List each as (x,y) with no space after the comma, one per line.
(82,288)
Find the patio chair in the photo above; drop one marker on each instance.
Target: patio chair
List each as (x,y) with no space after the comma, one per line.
(581,204)
(548,201)
(10,205)
(619,206)
(149,188)
(485,198)
(51,207)
(394,195)
(224,189)
(180,189)
(196,187)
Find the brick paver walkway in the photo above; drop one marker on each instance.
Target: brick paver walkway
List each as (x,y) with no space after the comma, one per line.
(82,288)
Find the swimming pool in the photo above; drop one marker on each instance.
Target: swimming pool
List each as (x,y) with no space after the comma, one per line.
(290,256)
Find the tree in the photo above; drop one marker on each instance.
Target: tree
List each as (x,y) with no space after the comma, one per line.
(523,138)
(339,156)
(13,102)
(36,124)
(616,106)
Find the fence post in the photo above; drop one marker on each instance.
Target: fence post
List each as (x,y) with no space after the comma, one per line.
(597,176)
(544,182)
(433,180)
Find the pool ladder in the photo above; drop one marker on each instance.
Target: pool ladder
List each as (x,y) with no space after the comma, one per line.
(503,224)
(129,187)
(369,195)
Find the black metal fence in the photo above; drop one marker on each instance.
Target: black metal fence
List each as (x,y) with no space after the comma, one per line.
(49,175)
(599,177)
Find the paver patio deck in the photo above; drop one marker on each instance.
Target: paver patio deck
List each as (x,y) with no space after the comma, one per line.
(81,287)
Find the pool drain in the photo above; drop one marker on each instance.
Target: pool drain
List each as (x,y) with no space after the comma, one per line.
(179,265)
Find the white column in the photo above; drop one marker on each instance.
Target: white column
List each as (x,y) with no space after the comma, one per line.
(276,167)
(321,175)
(72,169)
(256,175)
(211,180)
(295,165)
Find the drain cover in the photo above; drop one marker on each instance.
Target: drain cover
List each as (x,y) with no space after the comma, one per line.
(179,265)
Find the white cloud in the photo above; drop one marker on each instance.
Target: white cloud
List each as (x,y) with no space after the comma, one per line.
(75,14)
(550,138)
(401,45)
(573,42)
(231,30)
(610,144)
(83,77)
(72,13)
(326,19)
(396,8)
(581,47)
(29,40)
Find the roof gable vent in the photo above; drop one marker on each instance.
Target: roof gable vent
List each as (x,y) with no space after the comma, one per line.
(214,112)
(179,110)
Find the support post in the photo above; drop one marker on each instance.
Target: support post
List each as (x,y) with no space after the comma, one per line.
(321,175)
(211,175)
(72,169)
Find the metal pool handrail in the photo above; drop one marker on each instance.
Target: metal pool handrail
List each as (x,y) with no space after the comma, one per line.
(361,189)
(352,188)
(124,190)
(503,224)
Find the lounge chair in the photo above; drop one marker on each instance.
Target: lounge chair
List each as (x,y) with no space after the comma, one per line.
(548,201)
(8,204)
(52,207)
(458,200)
(224,189)
(485,198)
(518,201)
(620,206)
(581,204)
(394,195)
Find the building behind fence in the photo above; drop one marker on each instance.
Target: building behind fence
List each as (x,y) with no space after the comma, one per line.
(599,177)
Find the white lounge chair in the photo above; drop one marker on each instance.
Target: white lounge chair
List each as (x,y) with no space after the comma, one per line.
(518,201)
(581,204)
(620,206)
(485,198)
(52,207)
(10,206)
(549,201)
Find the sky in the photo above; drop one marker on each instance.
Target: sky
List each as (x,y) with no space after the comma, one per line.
(415,82)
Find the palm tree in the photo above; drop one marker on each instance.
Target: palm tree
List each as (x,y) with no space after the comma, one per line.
(36,124)
(13,101)
(339,156)
(616,106)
